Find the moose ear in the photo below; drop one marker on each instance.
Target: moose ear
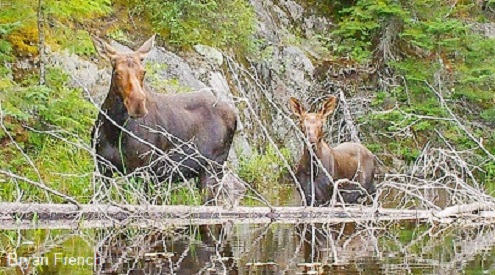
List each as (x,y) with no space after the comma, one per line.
(297,107)
(104,49)
(328,107)
(146,47)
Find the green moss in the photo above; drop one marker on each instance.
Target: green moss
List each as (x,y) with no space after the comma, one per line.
(24,41)
(119,35)
(160,84)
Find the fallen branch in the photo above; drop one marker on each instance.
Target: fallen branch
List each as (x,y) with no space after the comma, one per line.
(348,118)
(179,212)
(457,210)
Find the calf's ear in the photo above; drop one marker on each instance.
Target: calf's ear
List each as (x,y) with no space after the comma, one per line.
(328,107)
(296,107)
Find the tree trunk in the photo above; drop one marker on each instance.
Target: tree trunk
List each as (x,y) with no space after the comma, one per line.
(41,41)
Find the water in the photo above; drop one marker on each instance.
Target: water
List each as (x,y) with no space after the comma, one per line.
(383,248)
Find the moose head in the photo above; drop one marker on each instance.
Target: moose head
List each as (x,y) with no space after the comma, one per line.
(127,75)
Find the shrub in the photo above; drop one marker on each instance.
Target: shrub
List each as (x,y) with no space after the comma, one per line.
(217,23)
(61,163)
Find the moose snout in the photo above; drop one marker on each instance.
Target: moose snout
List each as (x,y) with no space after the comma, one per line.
(136,107)
(312,139)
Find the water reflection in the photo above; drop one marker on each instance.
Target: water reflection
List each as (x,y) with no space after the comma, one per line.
(343,248)
(338,248)
(324,248)
(203,249)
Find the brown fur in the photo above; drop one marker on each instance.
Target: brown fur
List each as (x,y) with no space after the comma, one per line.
(197,118)
(348,160)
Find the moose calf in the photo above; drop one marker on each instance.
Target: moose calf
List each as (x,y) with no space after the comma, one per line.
(349,160)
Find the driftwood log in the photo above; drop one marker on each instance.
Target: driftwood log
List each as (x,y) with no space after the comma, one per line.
(16,215)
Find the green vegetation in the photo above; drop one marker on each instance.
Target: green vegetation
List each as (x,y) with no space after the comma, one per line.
(51,124)
(427,47)
(263,167)
(161,85)
(422,49)
(265,172)
(217,23)
(361,23)
(61,19)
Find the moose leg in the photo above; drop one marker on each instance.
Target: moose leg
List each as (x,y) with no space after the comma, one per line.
(367,183)
(306,185)
(207,185)
(105,174)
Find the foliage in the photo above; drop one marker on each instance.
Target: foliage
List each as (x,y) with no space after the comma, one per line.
(54,104)
(75,41)
(263,168)
(265,172)
(119,35)
(58,15)
(53,108)
(217,23)
(5,46)
(411,43)
(77,9)
(5,54)
(28,110)
(362,22)
(431,44)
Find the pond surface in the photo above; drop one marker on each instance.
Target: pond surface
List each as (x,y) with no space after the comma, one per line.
(384,248)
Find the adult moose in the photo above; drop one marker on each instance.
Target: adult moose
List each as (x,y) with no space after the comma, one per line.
(351,161)
(171,136)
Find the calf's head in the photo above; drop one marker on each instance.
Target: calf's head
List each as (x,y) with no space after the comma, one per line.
(127,75)
(312,123)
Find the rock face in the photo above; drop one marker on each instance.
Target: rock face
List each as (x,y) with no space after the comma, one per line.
(282,69)
(486,29)
(84,73)
(286,72)
(211,54)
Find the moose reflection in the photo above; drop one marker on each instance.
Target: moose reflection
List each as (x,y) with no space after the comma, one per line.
(350,161)
(202,249)
(174,137)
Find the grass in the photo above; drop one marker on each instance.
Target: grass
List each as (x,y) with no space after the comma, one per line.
(266,173)
(61,166)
